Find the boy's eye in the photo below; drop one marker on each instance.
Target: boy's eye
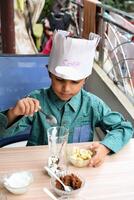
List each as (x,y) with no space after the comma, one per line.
(58,79)
(75,82)
(63,80)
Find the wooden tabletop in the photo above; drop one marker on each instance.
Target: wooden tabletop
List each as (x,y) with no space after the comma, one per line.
(114,180)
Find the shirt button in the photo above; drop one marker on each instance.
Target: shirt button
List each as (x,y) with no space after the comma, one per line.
(64,122)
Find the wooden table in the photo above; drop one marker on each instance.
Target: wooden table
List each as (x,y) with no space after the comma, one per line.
(114,180)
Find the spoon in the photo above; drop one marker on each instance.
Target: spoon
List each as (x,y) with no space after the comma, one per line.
(3,196)
(50,118)
(66,187)
(49,193)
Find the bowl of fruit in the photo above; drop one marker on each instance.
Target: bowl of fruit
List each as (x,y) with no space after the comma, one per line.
(80,157)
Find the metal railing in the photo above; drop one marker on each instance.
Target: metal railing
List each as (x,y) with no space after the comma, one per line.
(115,47)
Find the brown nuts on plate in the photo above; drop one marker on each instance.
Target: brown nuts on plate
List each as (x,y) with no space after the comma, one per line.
(75,181)
(69,180)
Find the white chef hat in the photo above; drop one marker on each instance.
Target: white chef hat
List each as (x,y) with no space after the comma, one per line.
(72,58)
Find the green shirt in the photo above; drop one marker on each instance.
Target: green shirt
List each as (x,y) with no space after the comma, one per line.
(81,114)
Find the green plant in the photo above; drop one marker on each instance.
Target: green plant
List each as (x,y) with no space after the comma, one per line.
(119,4)
(47,9)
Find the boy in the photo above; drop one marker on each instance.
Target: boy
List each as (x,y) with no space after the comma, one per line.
(70,64)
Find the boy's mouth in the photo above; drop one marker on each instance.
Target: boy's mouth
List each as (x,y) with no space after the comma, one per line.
(65,96)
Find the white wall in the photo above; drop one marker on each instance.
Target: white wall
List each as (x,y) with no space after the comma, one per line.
(99,84)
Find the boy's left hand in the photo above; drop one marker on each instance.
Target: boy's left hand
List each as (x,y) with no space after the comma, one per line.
(100,152)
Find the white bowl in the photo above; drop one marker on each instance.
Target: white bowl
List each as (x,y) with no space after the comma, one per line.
(62,192)
(73,198)
(79,157)
(79,163)
(18,182)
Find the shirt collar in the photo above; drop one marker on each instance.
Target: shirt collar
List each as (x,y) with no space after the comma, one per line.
(74,102)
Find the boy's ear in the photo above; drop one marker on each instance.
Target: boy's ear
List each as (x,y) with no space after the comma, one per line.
(86,78)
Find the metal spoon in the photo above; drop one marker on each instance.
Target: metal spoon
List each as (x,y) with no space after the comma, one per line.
(3,196)
(66,187)
(49,193)
(50,118)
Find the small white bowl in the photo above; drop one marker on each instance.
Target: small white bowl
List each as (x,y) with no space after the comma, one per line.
(79,163)
(79,157)
(62,192)
(18,182)
(73,198)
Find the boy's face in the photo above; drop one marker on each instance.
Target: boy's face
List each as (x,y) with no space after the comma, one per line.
(66,89)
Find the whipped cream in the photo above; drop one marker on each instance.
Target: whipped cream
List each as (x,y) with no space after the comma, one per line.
(18,179)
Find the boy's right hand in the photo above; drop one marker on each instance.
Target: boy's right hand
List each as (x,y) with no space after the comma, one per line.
(100,152)
(26,106)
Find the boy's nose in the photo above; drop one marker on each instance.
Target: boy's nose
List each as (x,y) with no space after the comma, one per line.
(66,87)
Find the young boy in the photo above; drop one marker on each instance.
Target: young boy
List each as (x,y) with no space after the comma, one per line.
(70,64)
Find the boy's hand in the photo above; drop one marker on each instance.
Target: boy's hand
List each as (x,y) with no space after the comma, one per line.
(26,106)
(100,152)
